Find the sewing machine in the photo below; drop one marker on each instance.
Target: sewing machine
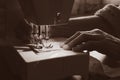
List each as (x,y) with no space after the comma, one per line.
(43,59)
(41,14)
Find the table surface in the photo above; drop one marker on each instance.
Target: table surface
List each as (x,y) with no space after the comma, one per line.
(56,52)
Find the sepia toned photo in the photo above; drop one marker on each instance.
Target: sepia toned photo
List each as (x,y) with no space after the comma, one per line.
(60,39)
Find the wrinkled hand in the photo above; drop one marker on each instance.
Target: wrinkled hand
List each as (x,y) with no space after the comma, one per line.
(95,39)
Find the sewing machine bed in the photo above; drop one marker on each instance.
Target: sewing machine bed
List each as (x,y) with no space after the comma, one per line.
(51,64)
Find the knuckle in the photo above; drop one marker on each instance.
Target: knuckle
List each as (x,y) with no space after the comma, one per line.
(85,35)
(98,30)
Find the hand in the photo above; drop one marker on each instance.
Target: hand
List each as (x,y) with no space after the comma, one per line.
(95,39)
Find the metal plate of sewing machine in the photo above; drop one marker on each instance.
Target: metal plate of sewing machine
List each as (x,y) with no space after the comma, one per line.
(53,65)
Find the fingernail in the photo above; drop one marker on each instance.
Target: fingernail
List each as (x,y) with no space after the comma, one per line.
(62,44)
(66,47)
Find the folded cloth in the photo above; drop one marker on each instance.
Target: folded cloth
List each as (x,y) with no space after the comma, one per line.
(105,66)
(111,13)
(96,71)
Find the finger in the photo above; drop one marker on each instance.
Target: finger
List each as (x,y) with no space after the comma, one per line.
(78,48)
(93,37)
(106,47)
(70,39)
(83,37)
(73,42)
(90,46)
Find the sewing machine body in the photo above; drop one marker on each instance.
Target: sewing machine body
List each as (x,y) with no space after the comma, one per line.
(47,12)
